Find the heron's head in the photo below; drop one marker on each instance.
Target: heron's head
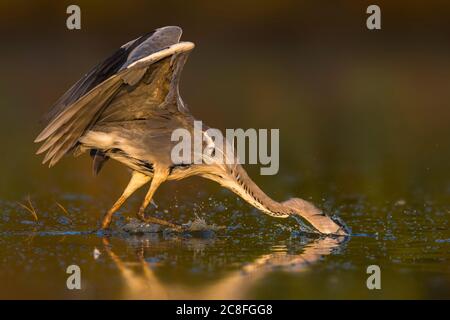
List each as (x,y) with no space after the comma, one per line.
(302,209)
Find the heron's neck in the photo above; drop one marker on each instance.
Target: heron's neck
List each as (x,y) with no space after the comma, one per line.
(241,184)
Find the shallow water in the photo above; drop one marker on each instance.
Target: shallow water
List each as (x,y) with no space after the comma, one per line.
(253,257)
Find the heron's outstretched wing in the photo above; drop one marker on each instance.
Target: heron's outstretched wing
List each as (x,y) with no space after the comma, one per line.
(138,81)
(95,76)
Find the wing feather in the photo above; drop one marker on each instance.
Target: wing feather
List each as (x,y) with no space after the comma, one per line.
(120,88)
(71,126)
(96,75)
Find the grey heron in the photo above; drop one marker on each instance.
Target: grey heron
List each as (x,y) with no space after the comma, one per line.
(126,108)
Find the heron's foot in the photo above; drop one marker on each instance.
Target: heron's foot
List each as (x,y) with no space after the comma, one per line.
(103,232)
(141,216)
(107,219)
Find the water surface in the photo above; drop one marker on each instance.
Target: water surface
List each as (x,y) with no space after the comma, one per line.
(253,257)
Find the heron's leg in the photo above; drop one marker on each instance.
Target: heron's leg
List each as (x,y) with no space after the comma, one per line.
(158,178)
(137,180)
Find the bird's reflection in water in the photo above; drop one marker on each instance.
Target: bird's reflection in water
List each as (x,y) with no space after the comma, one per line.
(142,281)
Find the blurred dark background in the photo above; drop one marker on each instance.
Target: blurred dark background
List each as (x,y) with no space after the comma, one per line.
(359,111)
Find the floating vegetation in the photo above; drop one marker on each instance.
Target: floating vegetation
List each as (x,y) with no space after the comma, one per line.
(62,207)
(30,208)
